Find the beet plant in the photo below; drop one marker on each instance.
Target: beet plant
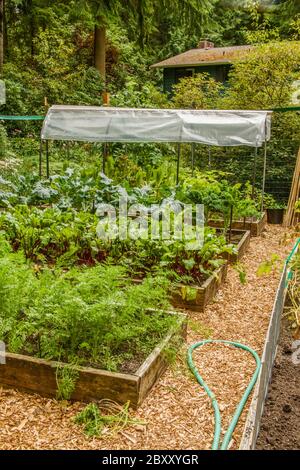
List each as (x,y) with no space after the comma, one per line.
(67,238)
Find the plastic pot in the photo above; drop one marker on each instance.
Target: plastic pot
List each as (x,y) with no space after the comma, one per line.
(275,216)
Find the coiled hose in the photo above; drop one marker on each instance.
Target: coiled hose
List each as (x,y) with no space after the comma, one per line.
(241,405)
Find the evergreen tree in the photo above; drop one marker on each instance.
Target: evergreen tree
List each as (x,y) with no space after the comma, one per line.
(144,14)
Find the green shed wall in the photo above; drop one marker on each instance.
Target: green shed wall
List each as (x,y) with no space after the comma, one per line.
(170,76)
(169,80)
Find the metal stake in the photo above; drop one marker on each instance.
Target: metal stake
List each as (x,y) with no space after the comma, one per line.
(264,174)
(193,157)
(178,163)
(209,156)
(104,157)
(47,159)
(230,223)
(40,158)
(254,174)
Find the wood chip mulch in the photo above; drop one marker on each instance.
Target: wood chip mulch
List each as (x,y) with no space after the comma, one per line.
(177,411)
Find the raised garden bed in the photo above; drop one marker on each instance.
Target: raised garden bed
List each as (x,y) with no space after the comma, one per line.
(280,424)
(270,423)
(39,376)
(255,226)
(196,298)
(241,240)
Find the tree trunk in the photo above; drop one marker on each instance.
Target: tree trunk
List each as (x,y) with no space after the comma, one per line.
(5,37)
(100,50)
(32,37)
(31,28)
(1,34)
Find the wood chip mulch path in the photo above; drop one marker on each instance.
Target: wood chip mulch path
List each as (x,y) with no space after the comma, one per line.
(177,411)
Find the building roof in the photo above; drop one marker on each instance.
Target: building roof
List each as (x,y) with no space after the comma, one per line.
(207,56)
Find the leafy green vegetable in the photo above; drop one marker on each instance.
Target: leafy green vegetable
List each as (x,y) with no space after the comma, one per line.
(66,238)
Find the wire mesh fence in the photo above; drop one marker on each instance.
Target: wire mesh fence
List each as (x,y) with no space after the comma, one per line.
(280,190)
(239,163)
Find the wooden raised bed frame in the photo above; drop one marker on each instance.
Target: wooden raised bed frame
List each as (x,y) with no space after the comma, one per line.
(241,247)
(39,376)
(256,227)
(195,297)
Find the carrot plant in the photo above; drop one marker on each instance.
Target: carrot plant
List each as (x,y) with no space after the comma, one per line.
(85,316)
(107,417)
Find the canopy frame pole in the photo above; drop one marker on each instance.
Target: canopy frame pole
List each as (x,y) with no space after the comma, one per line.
(40,158)
(104,157)
(264,170)
(209,156)
(47,159)
(254,174)
(193,157)
(105,146)
(178,162)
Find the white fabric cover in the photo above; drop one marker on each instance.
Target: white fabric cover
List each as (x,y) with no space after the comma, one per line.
(102,124)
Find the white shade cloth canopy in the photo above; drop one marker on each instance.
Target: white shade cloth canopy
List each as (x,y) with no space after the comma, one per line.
(209,127)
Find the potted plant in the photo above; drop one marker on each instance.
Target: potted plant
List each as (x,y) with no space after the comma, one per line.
(275,210)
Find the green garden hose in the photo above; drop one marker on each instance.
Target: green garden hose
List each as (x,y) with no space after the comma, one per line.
(241,405)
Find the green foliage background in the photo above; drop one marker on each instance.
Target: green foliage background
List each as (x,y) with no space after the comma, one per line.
(49,53)
(49,45)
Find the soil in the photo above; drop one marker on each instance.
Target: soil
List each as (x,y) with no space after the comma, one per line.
(280,424)
(130,365)
(235,238)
